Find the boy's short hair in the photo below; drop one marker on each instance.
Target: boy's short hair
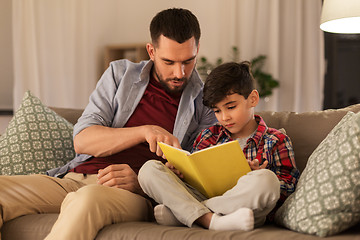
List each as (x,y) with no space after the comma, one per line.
(227,79)
(175,23)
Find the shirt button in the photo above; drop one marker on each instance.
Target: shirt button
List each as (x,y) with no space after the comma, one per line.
(185,122)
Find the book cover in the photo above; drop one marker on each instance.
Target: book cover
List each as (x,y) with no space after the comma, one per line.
(212,170)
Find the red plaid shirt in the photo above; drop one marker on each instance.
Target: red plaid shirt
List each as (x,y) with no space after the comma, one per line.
(266,144)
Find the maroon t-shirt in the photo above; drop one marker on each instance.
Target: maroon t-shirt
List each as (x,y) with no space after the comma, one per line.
(157,107)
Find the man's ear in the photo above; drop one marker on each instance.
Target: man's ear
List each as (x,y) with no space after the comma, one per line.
(151,51)
(254,98)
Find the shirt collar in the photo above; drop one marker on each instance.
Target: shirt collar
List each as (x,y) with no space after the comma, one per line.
(145,72)
(261,129)
(260,132)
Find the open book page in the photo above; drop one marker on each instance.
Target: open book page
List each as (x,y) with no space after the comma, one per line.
(212,170)
(220,167)
(179,158)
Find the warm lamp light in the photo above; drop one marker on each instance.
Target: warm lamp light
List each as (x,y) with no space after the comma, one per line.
(340,16)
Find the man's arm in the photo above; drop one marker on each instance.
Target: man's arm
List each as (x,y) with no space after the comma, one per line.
(100,141)
(103,141)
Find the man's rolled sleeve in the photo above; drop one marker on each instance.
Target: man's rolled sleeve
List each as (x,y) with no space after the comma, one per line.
(100,110)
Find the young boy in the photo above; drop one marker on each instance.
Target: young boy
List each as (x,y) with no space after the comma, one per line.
(229,90)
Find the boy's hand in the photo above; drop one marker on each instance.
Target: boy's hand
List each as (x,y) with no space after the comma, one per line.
(172,168)
(255,165)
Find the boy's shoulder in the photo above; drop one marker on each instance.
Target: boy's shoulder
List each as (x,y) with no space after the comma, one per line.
(215,129)
(269,132)
(213,133)
(277,134)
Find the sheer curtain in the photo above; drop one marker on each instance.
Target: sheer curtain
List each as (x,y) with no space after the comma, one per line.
(58,44)
(52,45)
(288,33)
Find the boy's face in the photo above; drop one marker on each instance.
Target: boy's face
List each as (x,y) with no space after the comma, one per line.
(236,114)
(173,62)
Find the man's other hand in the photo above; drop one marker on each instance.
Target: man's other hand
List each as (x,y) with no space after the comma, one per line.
(120,176)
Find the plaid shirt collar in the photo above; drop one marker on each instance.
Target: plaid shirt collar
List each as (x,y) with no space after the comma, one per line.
(225,135)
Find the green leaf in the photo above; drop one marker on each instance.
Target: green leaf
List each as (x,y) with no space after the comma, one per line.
(265,81)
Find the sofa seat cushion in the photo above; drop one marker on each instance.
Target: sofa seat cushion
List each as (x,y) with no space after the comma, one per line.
(36,227)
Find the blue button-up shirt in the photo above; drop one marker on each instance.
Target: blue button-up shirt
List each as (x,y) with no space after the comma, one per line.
(117,95)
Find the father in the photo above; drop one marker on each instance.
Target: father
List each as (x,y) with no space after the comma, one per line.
(134,106)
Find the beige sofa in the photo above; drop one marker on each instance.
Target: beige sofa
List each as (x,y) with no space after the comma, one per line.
(299,126)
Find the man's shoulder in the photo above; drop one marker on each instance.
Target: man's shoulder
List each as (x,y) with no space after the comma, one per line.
(124,64)
(125,72)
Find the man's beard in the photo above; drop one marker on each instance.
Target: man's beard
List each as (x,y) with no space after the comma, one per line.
(175,90)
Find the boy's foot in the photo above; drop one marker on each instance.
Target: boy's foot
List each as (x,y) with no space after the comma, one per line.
(164,216)
(241,219)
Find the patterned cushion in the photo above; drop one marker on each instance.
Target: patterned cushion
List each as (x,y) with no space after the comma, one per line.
(36,139)
(327,197)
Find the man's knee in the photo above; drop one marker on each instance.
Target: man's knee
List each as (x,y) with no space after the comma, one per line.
(92,196)
(86,197)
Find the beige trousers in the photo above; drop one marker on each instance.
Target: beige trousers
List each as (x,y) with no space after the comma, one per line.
(258,190)
(84,206)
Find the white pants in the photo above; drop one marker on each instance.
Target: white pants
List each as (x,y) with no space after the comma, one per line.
(258,190)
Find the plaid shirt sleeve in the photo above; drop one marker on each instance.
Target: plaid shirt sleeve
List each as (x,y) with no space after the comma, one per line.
(284,166)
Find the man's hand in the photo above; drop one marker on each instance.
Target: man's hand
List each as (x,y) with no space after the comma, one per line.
(255,165)
(120,176)
(155,134)
(172,168)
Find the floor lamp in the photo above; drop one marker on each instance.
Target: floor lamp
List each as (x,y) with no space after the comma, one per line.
(341,16)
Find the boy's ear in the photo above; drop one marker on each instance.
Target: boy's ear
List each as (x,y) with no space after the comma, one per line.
(254,98)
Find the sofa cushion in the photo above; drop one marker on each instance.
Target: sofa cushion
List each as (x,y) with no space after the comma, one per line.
(36,139)
(37,226)
(327,197)
(306,130)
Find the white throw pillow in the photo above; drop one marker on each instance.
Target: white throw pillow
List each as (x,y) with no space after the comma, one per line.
(327,197)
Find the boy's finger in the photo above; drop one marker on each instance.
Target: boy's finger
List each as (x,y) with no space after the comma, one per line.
(265,163)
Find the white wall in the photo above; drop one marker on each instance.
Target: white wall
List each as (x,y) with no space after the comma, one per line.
(6,57)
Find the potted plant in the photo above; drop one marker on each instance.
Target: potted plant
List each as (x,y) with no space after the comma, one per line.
(265,81)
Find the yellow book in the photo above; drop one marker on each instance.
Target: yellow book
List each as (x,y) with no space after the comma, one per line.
(213,170)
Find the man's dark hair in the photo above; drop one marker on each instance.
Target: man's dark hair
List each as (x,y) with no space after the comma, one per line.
(227,79)
(175,23)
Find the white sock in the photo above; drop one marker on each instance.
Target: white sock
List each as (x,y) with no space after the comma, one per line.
(164,216)
(241,219)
